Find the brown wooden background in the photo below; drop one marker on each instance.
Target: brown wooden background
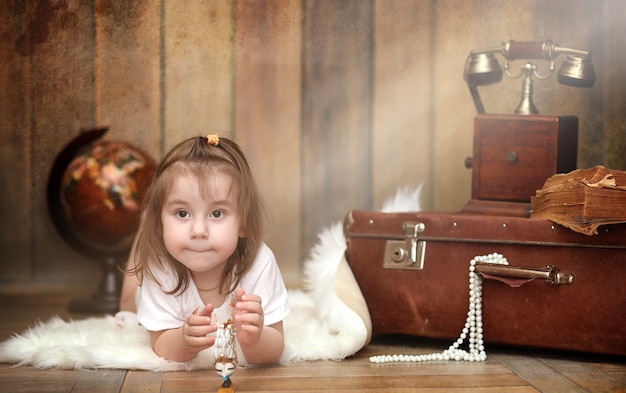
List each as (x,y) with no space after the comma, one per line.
(337,103)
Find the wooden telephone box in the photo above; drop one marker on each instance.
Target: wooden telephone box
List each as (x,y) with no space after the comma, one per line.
(514,155)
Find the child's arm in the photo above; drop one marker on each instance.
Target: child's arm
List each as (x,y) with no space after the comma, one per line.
(129,283)
(127,296)
(184,343)
(261,344)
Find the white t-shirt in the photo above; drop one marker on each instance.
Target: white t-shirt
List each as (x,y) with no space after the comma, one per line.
(157,310)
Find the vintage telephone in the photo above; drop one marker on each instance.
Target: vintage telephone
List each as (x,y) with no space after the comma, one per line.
(482,68)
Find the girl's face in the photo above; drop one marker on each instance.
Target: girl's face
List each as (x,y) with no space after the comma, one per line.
(200,224)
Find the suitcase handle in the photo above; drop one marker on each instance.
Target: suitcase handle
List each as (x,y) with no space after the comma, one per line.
(551,274)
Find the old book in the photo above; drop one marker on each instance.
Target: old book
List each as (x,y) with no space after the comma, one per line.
(583,199)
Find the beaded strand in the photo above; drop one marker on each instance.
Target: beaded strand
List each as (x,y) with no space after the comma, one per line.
(473,324)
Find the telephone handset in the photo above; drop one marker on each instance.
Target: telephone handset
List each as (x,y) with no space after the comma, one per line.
(482,68)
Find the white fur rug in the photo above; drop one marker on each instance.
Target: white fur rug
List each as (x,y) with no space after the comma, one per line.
(328,320)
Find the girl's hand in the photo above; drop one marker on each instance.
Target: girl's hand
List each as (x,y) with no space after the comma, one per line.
(196,328)
(248,318)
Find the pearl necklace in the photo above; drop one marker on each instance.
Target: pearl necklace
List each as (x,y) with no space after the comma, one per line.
(473,324)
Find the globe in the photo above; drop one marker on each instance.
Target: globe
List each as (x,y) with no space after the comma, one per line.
(101,192)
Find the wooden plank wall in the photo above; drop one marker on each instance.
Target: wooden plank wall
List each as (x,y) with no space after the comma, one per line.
(15,147)
(267,116)
(336,103)
(402,135)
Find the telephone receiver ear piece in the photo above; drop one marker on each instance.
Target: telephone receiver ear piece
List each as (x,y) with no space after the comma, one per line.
(482,69)
(577,71)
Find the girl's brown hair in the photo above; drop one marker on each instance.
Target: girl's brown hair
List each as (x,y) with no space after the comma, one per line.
(199,156)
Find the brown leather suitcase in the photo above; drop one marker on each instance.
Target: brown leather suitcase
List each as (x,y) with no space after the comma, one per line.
(413,271)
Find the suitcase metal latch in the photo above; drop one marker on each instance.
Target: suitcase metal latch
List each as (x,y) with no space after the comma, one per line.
(407,253)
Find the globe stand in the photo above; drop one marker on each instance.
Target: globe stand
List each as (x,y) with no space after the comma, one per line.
(107,298)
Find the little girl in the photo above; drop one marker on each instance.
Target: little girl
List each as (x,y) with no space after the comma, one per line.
(198,257)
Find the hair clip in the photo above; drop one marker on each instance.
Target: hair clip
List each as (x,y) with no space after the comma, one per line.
(213,139)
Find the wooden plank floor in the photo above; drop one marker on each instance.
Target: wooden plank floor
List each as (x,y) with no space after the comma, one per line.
(510,370)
